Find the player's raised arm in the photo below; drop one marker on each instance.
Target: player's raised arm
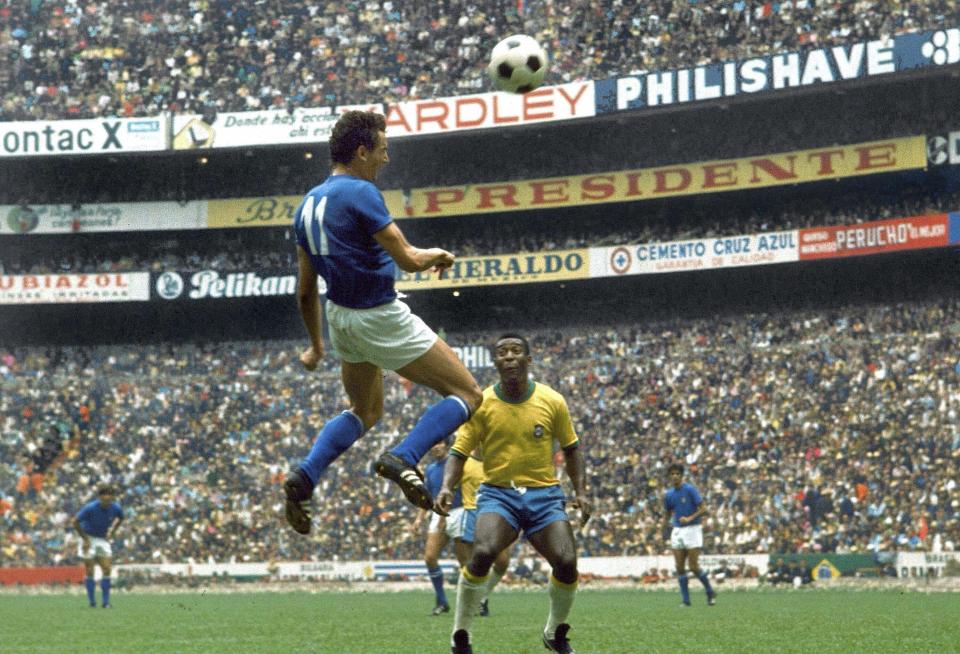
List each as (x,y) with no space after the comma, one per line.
(308,300)
(409,258)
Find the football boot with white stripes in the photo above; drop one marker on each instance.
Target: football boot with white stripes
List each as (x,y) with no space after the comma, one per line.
(408,477)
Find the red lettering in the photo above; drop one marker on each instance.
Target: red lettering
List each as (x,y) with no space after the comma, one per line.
(662,177)
(876,156)
(102,281)
(62,282)
(529,105)
(773,169)
(120,280)
(572,101)
(549,192)
(633,184)
(422,114)
(395,117)
(826,161)
(83,282)
(715,175)
(442,196)
(461,120)
(497,118)
(504,192)
(6,283)
(589,190)
(30,282)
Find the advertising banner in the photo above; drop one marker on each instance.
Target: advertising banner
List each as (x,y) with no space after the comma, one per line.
(697,254)
(102,217)
(247,128)
(675,180)
(777,72)
(74,288)
(434,116)
(944,149)
(798,167)
(521,268)
(215,285)
(93,136)
(269,211)
(914,233)
(926,564)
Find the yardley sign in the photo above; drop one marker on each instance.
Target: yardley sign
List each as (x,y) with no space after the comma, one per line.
(777,72)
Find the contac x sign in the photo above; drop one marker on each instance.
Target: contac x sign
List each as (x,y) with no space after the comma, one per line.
(64,137)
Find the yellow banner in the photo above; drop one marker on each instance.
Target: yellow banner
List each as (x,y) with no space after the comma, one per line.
(252,212)
(504,269)
(798,167)
(801,166)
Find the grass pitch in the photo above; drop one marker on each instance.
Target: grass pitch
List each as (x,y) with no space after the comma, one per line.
(604,622)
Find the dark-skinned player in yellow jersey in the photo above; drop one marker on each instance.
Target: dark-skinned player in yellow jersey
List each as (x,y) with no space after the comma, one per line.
(515,428)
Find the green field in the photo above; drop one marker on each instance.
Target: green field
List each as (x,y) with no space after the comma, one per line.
(607,622)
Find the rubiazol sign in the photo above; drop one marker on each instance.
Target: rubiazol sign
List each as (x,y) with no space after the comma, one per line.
(777,72)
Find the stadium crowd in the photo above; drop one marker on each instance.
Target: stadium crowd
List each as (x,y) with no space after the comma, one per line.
(807,431)
(272,249)
(79,59)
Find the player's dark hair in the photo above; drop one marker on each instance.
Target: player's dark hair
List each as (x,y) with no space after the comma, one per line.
(105,489)
(355,128)
(675,466)
(526,343)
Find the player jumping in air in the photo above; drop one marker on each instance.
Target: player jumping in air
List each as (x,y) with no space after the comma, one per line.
(345,235)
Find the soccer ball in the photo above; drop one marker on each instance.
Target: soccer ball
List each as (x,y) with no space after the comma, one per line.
(517,64)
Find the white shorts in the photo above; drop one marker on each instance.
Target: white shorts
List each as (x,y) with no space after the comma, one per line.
(99,548)
(389,336)
(686,538)
(454,525)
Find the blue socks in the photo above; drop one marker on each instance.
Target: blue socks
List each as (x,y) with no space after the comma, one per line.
(105,587)
(705,581)
(436,578)
(334,439)
(91,585)
(436,423)
(684,588)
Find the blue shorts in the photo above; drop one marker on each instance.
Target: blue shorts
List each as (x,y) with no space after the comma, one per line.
(469,525)
(526,509)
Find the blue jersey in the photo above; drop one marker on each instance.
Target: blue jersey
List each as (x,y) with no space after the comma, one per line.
(433,478)
(683,501)
(95,520)
(335,224)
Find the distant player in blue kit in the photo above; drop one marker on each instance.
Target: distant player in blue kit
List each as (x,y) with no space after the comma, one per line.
(441,530)
(684,509)
(346,235)
(97,523)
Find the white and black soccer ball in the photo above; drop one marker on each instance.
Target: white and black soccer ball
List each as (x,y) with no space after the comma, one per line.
(517,64)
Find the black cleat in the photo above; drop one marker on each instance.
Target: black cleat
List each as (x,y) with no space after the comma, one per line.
(440,609)
(484,611)
(461,642)
(711,599)
(559,642)
(408,477)
(298,491)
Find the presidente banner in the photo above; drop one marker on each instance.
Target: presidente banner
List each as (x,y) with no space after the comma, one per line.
(238,129)
(523,268)
(88,136)
(797,167)
(696,254)
(777,72)
(102,217)
(913,233)
(434,116)
(74,288)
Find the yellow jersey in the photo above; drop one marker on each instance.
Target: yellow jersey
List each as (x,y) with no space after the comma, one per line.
(516,438)
(470,482)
